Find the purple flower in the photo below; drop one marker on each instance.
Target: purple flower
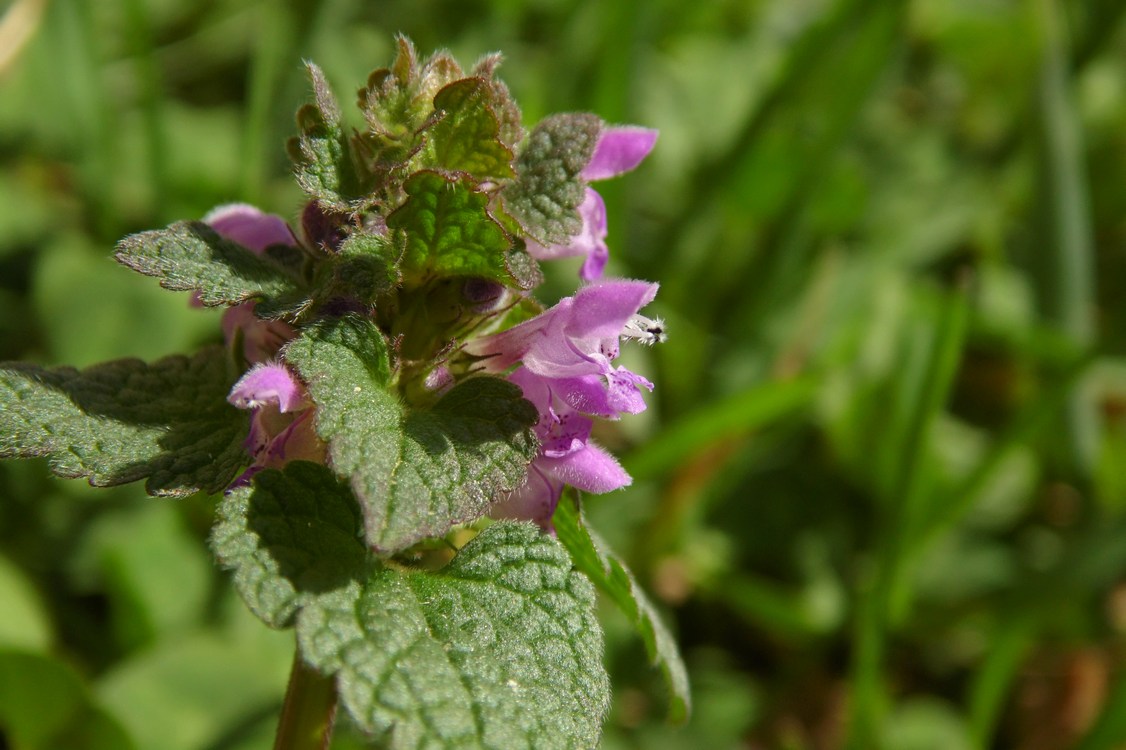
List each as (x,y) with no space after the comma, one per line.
(261,339)
(572,345)
(567,456)
(268,383)
(618,151)
(281,424)
(566,371)
(246,225)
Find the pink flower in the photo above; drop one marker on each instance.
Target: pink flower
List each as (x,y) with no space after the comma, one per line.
(567,457)
(618,151)
(281,424)
(573,344)
(246,225)
(565,356)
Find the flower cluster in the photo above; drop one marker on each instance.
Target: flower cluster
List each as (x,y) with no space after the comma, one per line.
(445,306)
(387,378)
(562,359)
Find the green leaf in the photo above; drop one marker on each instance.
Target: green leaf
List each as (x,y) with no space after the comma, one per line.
(548,189)
(448,231)
(500,649)
(466,138)
(610,575)
(511,130)
(322,154)
(362,269)
(293,534)
(523,268)
(397,101)
(415,473)
(127,420)
(191,256)
(398,105)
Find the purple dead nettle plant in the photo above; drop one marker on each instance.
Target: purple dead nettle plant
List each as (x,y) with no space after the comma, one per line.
(400,432)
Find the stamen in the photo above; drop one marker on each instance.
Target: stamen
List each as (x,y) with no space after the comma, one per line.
(645,330)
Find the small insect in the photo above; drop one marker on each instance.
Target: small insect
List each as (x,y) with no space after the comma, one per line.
(645,330)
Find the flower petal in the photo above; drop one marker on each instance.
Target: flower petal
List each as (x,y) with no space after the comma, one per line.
(601,310)
(249,226)
(298,441)
(586,394)
(619,150)
(534,389)
(575,338)
(261,339)
(624,393)
(504,349)
(534,501)
(590,469)
(561,430)
(268,383)
(595,262)
(609,395)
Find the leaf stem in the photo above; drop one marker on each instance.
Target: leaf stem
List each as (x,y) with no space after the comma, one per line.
(309,710)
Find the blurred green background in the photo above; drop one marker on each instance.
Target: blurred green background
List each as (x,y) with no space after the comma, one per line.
(881,487)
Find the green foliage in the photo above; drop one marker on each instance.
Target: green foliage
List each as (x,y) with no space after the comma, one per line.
(398,101)
(191,256)
(201,687)
(612,578)
(546,194)
(26,624)
(365,271)
(322,153)
(44,704)
(292,535)
(415,472)
(824,172)
(447,231)
(499,649)
(168,422)
(467,137)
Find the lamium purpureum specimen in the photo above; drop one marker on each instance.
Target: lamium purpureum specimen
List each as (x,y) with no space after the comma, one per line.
(387,381)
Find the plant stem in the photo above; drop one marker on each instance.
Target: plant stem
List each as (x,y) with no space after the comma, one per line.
(309,710)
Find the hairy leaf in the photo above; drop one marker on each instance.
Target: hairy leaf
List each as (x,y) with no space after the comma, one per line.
(511,131)
(397,101)
(127,420)
(467,137)
(190,255)
(500,649)
(448,231)
(415,473)
(610,575)
(322,154)
(292,535)
(548,189)
(362,269)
